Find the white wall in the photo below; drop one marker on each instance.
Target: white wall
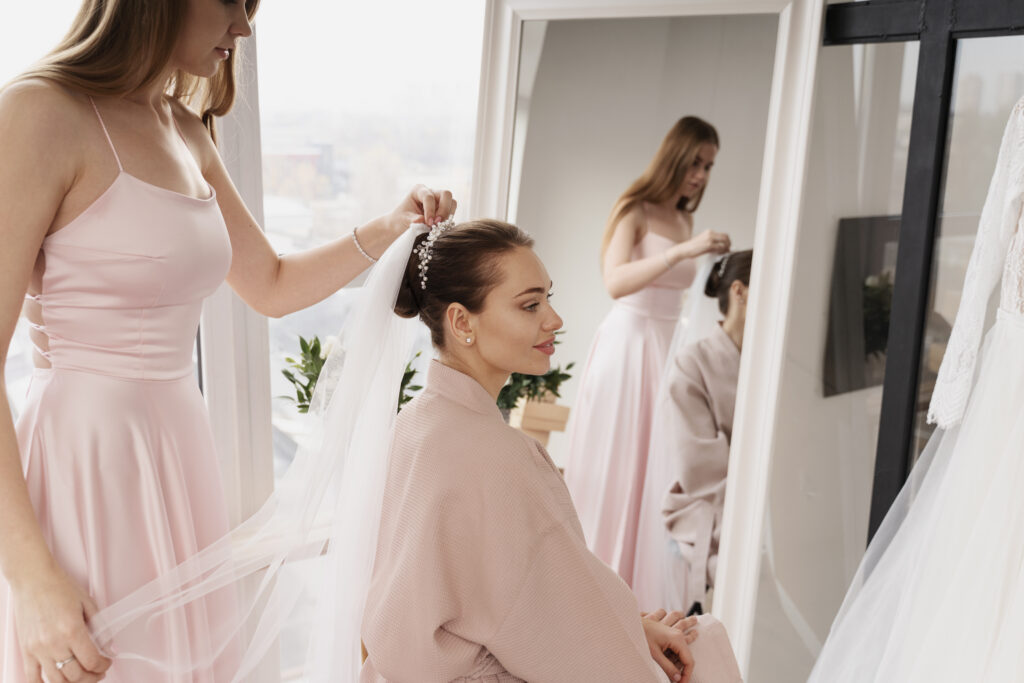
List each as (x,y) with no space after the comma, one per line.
(605,94)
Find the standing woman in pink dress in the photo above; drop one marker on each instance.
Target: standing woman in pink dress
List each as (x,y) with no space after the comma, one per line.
(648,259)
(117,218)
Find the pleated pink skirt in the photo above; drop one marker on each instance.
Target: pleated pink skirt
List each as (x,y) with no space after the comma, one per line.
(609,430)
(126,484)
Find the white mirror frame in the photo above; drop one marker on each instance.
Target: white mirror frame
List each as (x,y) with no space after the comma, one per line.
(777,234)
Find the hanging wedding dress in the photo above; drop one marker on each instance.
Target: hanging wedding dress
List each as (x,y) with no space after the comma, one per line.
(939,595)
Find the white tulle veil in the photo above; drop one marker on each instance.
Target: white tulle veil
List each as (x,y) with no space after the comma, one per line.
(314,540)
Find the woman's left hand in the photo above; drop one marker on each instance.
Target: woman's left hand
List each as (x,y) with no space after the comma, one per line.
(422,205)
(671,633)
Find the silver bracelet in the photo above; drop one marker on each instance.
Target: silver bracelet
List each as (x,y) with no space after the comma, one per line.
(355,238)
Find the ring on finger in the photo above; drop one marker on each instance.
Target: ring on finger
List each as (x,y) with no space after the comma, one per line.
(64,662)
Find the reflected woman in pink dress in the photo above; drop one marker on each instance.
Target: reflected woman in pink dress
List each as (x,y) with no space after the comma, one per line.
(117,218)
(649,254)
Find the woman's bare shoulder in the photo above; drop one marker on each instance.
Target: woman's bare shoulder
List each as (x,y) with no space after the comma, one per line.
(186,116)
(43,102)
(632,221)
(191,125)
(635,213)
(41,119)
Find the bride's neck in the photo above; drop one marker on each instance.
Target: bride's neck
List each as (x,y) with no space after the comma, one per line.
(471,364)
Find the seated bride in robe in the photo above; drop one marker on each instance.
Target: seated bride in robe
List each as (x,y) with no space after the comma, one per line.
(481,569)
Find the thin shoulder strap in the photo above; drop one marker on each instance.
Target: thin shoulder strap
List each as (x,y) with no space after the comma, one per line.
(644,220)
(174,120)
(106,133)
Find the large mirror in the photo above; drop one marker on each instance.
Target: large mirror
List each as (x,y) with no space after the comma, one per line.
(594,99)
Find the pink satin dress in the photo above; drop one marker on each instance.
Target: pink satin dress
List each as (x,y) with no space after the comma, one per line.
(115,439)
(610,426)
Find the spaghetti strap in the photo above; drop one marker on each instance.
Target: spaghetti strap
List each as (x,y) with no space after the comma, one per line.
(107,134)
(174,120)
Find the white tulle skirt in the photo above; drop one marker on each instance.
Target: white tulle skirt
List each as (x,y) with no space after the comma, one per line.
(939,595)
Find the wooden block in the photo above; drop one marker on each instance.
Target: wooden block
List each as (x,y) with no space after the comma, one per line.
(541,417)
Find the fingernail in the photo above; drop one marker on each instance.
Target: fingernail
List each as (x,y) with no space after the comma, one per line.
(677,677)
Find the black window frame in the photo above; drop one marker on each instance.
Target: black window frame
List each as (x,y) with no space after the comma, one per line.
(938,25)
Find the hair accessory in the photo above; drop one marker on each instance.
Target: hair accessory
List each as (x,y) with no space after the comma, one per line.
(722,264)
(424,251)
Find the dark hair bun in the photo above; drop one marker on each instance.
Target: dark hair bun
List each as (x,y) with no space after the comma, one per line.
(714,281)
(407,305)
(729,269)
(463,268)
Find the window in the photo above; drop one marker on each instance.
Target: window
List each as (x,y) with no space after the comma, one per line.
(358,103)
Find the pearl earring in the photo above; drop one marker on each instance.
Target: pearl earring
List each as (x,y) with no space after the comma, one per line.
(469,340)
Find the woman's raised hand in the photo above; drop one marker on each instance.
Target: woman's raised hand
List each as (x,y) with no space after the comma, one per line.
(707,242)
(50,615)
(669,635)
(422,205)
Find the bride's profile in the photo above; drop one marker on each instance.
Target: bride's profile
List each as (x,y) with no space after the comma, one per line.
(481,567)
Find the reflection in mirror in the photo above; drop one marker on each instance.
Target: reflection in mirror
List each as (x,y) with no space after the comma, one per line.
(691,432)
(595,100)
(819,490)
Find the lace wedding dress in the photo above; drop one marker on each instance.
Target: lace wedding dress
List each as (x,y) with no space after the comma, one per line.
(939,595)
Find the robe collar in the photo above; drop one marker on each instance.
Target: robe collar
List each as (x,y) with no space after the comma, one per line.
(719,337)
(461,388)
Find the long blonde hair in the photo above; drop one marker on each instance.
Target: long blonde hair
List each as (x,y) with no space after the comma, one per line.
(666,172)
(116,47)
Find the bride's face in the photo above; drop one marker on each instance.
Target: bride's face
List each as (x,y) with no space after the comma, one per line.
(515,331)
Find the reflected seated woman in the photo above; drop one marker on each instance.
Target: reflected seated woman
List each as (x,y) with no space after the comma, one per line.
(684,495)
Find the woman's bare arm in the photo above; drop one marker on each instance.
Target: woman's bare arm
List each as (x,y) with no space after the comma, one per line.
(37,135)
(624,276)
(276,285)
